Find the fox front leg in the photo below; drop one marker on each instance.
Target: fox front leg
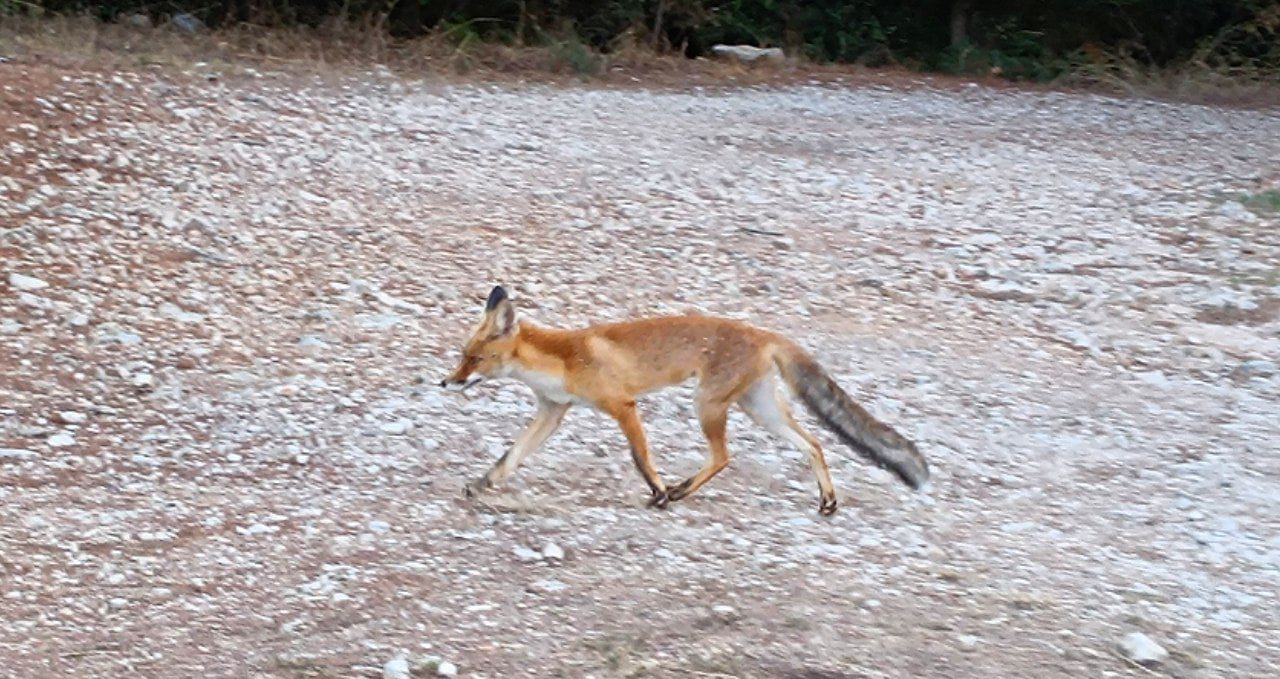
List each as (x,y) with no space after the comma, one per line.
(544,424)
(625,413)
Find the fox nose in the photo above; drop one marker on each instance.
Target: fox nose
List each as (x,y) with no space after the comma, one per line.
(444,383)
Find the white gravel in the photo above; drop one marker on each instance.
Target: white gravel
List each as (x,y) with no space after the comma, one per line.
(1054,294)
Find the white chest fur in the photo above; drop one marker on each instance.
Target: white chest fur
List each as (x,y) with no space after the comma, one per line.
(547,387)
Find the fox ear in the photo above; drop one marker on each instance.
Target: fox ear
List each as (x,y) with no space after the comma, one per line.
(496,296)
(500,313)
(504,318)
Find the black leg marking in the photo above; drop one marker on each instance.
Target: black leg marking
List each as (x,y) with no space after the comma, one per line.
(680,491)
(475,488)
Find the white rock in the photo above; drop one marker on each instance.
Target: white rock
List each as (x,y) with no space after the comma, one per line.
(1141,649)
(1080,340)
(552,551)
(26,283)
(747,54)
(525,554)
(71,417)
(61,440)
(397,428)
(1257,368)
(1237,211)
(122,337)
(396,668)
(447,669)
(549,586)
(1153,377)
(378,321)
(1228,299)
(311,341)
(16,454)
(1003,290)
(174,312)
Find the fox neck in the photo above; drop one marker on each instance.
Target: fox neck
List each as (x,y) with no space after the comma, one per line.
(540,361)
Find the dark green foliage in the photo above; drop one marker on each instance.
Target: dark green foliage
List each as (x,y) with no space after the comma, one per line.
(1017,38)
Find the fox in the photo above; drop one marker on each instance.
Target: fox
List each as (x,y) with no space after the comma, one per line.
(608,366)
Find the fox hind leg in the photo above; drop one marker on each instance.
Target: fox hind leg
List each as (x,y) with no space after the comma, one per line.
(765,406)
(713,416)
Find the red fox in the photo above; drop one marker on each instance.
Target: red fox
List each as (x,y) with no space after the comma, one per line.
(608,366)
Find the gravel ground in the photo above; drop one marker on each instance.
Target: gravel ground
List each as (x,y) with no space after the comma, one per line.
(224,305)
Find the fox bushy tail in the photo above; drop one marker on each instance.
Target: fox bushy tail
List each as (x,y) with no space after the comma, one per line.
(838,412)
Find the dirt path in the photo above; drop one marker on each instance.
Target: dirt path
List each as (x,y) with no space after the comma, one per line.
(215,460)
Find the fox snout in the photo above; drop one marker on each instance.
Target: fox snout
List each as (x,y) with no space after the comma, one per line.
(462,377)
(460,384)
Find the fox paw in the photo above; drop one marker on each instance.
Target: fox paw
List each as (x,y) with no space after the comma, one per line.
(475,488)
(680,491)
(660,499)
(828,506)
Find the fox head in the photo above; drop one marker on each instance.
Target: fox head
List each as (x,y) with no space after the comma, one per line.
(491,345)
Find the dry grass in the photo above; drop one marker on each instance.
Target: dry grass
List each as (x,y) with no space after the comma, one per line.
(1238,66)
(72,40)
(1191,83)
(339,48)
(345,46)
(83,41)
(1235,68)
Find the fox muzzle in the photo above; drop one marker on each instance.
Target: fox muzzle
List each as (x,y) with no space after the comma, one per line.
(461,385)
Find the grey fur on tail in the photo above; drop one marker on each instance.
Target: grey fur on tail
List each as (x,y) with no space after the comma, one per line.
(838,412)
